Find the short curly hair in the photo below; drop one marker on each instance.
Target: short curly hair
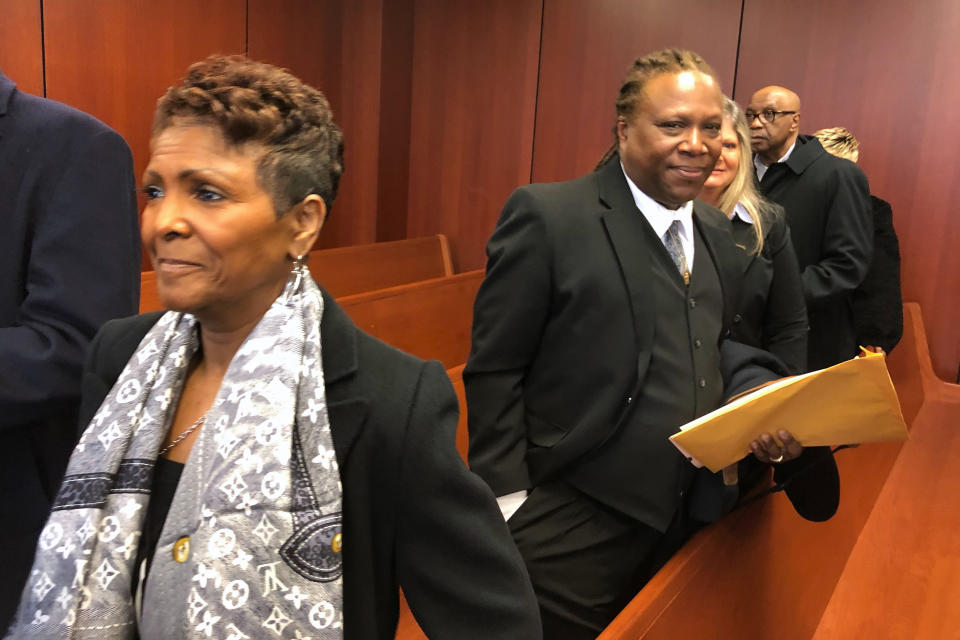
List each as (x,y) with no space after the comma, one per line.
(840,142)
(254,102)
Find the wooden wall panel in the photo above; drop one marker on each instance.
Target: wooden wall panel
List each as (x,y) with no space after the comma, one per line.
(396,69)
(890,76)
(21,48)
(115,58)
(335,46)
(588,45)
(471,133)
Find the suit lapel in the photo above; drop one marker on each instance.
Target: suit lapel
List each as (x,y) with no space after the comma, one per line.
(747,258)
(806,150)
(624,225)
(347,418)
(727,258)
(347,409)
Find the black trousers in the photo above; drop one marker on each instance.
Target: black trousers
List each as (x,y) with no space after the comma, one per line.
(585,560)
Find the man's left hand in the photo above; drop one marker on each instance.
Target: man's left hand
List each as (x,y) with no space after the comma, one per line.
(766,450)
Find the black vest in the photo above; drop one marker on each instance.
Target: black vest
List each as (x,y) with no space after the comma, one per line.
(637,471)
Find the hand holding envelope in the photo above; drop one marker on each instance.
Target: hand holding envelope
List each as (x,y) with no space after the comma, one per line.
(767,450)
(782,449)
(851,402)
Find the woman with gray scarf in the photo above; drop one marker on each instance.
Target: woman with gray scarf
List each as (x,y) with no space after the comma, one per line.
(254,466)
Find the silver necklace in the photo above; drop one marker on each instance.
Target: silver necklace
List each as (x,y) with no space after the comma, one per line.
(196,425)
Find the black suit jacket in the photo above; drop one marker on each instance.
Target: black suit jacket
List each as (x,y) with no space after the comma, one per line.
(563,326)
(771,313)
(828,209)
(772,316)
(70,260)
(414,516)
(877,305)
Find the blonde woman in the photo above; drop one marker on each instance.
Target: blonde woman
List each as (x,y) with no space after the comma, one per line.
(772,314)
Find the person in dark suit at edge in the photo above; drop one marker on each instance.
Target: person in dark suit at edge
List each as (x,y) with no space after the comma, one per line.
(771,314)
(599,329)
(827,204)
(70,259)
(877,303)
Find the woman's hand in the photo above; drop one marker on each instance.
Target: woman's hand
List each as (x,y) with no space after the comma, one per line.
(766,450)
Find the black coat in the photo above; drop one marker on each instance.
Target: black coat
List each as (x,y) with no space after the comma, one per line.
(70,260)
(771,313)
(828,209)
(564,322)
(877,305)
(414,516)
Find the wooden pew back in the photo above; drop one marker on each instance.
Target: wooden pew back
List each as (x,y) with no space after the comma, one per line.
(900,580)
(908,363)
(907,552)
(763,571)
(430,319)
(345,271)
(463,437)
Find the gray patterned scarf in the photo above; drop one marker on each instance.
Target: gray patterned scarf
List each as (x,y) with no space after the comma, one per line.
(251,546)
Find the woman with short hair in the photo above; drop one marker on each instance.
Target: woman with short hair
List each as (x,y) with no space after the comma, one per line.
(255,466)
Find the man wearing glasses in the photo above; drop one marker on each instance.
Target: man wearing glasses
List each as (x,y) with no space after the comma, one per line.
(827,203)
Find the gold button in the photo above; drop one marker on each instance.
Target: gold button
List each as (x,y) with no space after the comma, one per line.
(337,543)
(181,549)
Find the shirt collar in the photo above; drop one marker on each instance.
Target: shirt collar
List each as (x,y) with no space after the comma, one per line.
(762,168)
(739,211)
(659,217)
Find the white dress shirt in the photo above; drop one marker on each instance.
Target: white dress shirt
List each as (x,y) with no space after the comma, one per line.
(660,218)
(739,211)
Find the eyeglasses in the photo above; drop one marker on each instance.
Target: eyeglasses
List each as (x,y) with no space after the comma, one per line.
(767,116)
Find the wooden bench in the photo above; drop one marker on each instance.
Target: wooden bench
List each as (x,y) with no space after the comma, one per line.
(463,437)
(900,581)
(909,363)
(764,572)
(429,319)
(345,271)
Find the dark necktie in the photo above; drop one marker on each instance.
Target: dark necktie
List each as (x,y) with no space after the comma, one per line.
(671,240)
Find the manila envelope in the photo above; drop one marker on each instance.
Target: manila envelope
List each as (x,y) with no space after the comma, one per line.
(848,403)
